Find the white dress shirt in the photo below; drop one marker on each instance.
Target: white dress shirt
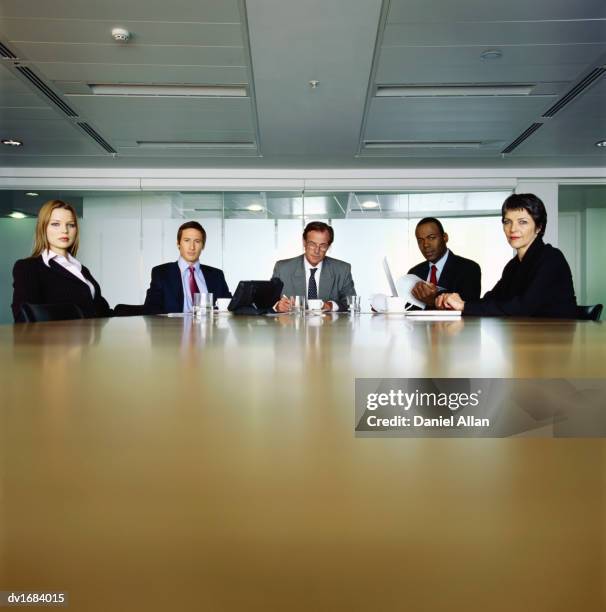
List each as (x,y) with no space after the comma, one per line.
(308,267)
(184,267)
(70,263)
(439,266)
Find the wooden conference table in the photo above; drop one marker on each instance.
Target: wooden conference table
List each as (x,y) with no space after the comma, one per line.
(166,464)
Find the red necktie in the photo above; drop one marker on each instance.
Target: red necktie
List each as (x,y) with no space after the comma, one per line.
(193,286)
(433,279)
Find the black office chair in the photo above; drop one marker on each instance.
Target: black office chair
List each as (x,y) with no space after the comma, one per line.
(37,313)
(589,313)
(128,310)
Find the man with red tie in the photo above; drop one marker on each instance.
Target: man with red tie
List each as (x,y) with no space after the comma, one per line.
(442,269)
(173,284)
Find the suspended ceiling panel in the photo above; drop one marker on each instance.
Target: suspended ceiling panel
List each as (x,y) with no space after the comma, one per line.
(68,47)
(224,11)
(576,125)
(403,11)
(463,64)
(294,43)
(433,119)
(548,46)
(488,33)
(273,49)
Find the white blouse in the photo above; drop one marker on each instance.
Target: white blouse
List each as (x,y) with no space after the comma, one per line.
(71,264)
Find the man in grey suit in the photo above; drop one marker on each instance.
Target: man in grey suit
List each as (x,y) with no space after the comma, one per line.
(314,275)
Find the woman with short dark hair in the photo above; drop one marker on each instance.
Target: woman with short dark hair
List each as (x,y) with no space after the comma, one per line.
(52,274)
(537,282)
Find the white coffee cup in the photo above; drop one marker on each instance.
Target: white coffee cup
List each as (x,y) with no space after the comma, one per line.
(222,304)
(395,304)
(315,304)
(379,302)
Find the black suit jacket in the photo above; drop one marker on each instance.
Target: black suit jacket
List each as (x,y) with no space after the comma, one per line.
(165,293)
(459,275)
(538,286)
(36,283)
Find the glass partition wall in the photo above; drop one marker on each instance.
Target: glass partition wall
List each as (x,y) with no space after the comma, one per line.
(581,231)
(125,234)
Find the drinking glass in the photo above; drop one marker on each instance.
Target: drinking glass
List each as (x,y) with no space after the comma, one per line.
(207,302)
(353,301)
(197,305)
(298,304)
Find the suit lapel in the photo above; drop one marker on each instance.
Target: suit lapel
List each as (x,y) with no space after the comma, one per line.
(89,277)
(299,280)
(424,270)
(176,288)
(209,279)
(59,269)
(447,271)
(327,278)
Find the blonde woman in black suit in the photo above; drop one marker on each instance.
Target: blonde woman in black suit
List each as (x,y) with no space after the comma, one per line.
(53,275)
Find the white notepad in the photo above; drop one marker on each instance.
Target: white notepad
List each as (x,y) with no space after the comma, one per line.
(443,314)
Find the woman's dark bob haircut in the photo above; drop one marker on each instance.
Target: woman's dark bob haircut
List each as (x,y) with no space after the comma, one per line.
(531,204)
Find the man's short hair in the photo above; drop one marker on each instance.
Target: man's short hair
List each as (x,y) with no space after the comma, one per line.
(192,225)
(319,226)
(531,204)
(432,220)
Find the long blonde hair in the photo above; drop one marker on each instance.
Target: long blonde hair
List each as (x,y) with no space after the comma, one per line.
(44,215)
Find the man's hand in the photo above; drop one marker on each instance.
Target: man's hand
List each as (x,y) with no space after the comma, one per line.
(450,301)
(327,306)
(284,305)
(425,292)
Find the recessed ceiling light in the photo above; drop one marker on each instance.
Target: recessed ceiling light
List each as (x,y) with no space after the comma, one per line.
(402,144)
(17,215)
(149,144)
(454,90)
(255,208)
(600,143)
(370,204)
(174,91)
(11,142)
(32,194)
(492,54)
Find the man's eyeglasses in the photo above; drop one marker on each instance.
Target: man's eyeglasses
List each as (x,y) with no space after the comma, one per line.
(314,246)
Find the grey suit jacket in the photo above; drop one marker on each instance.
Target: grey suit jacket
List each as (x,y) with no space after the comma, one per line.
(336,282)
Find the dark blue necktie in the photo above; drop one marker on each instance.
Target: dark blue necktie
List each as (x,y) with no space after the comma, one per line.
(312,289)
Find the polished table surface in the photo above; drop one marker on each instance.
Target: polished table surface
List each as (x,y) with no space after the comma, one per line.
(167,464)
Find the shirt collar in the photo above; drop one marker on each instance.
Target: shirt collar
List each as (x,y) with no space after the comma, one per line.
(308,266)
(48,255)
(440,263)
(184,265)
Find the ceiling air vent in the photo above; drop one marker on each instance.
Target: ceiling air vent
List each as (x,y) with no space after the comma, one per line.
(47,91)
(97,137)
(522,137)
(6,52)
(578,89)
